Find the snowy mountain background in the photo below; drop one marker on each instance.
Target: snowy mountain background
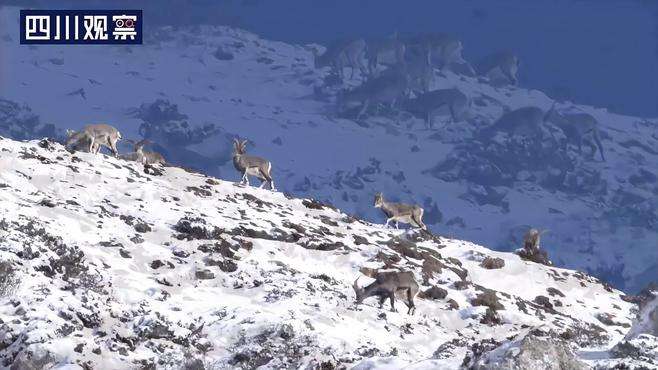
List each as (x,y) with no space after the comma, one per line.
(192,90)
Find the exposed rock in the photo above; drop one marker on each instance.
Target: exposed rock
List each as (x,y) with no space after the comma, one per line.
(434,292)
(47,203)
(647,320)
(180,253)
(275,234)
(609,320)
(431,266)
(316,204)
(142,227)
(225,265)
(199,192)
(532,352)
(492,263)
(323,246)
(490,317)
(405,248)
(554,292)
(453,304)
(585,334)
(156,264)
(203,274)
(359,240)
(33,359)
(154,329)
(195,228)
(388,259)
(489,299)
(646,295)
(642,348)
(544,302)
(9,278)
(535,255)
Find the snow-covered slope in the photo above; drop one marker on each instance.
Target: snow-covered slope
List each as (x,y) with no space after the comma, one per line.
(105,264)
(215,83)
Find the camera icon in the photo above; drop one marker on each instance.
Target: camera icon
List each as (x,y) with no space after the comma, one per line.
(124,22)
(124,27)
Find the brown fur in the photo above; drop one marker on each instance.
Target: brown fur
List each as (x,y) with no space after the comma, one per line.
(386,284)
(251,165)
(532,238)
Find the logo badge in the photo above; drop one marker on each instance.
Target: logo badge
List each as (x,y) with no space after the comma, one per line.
(87,27)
